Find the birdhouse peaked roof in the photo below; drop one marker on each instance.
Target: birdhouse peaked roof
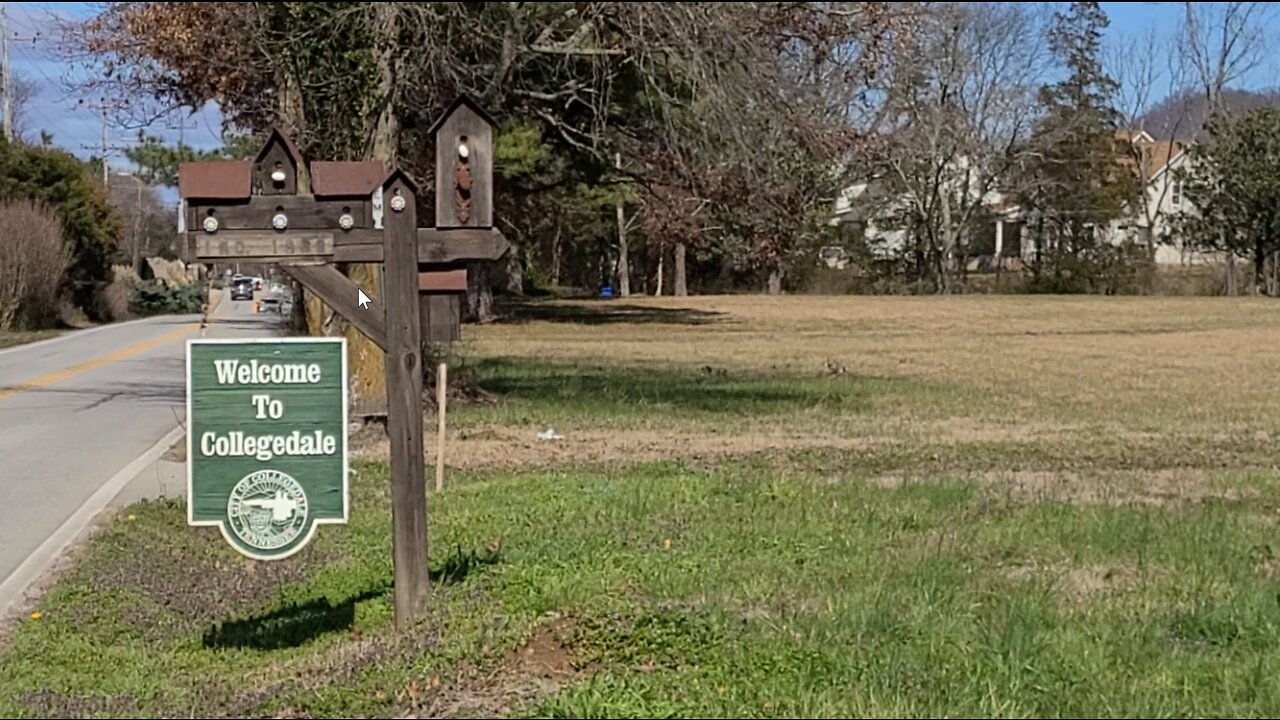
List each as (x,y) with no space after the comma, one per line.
(277,135)
(462,100)
(399,174)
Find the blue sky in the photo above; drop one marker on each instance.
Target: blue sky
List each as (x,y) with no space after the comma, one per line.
(79,129)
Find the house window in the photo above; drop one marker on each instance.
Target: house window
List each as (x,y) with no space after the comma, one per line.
(1177,192)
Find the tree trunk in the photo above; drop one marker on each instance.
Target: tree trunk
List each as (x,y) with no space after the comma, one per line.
(775,281)
(515,271)
(1259,271)
(682,278)
(386,131)
(479,294)
(365,360)
(292,120)
(624,262)
(1233,285)
(662,257)
(947,264)
(555,257)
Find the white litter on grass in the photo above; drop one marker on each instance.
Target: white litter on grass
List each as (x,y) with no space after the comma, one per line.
(550,434)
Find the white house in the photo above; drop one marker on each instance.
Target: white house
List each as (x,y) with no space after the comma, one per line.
(1160,161)
(867,208)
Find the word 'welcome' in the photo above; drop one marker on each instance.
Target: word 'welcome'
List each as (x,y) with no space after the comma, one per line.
(232,372)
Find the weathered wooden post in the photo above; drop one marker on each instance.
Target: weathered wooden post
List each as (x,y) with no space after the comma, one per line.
(404,397)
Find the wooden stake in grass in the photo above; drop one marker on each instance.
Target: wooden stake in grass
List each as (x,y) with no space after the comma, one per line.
(442,399)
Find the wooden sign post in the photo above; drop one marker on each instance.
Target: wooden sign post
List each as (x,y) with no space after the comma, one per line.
(269,211)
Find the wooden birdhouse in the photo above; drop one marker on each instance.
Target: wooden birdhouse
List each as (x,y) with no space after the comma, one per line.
(347,190)
(464,166)
(275,169)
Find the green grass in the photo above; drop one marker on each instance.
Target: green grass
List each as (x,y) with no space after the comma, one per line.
(776,596)
(11,338)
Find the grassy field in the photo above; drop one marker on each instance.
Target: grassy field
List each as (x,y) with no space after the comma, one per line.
(992,506)
(10,338)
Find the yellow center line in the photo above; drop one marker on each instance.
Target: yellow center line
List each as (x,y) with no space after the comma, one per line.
(58,376)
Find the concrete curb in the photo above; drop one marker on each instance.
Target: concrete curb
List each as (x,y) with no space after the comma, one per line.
(13,589)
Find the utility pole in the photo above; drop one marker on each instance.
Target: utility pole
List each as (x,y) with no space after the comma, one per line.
(5,38)
(106,174)
(8,72)
(181,126)
(106,148)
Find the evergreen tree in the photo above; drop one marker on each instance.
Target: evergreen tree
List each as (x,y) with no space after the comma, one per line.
(1079,184)
(1233,185)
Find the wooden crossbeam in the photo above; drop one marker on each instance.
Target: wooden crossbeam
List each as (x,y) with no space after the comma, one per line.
(354,246)
(338,292)
(304,212)
(434,245)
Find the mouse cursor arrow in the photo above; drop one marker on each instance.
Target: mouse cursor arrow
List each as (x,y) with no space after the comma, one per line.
(361,299)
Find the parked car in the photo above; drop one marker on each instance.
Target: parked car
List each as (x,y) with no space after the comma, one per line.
(242,289)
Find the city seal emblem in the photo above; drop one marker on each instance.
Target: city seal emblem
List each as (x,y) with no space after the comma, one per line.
(267,511)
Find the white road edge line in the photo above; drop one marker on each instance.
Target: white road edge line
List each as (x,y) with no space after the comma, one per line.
(14,587)
(76,334)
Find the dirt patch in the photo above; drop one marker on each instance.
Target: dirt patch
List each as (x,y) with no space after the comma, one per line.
(1154,487)
(51,704)
(1079,584)
(535,670)
(1086,582)
(508,446)
(501,447)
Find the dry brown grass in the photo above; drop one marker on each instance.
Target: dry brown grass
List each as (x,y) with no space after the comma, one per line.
(1029,369)
(1088,349)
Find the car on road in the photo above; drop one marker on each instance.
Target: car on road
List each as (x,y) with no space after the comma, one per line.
(242,289)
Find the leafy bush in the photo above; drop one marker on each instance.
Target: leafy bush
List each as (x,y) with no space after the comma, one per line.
(155,298)
(57,180)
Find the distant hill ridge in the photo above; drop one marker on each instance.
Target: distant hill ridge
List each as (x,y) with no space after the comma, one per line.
(1183,115)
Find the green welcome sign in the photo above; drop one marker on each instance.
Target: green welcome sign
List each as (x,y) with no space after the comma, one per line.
(267,440)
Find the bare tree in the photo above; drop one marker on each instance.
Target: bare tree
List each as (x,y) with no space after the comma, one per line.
(25,91)
(1222,42)
(958,108)
(1140,66)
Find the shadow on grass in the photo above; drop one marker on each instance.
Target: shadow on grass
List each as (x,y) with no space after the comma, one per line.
(289,626)
(631,390)
(299,623)
(602,313)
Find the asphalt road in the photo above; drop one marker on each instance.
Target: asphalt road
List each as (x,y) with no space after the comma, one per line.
(77,411)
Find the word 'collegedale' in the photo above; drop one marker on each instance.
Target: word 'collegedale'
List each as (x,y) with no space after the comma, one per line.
(266,447)
(231,372)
